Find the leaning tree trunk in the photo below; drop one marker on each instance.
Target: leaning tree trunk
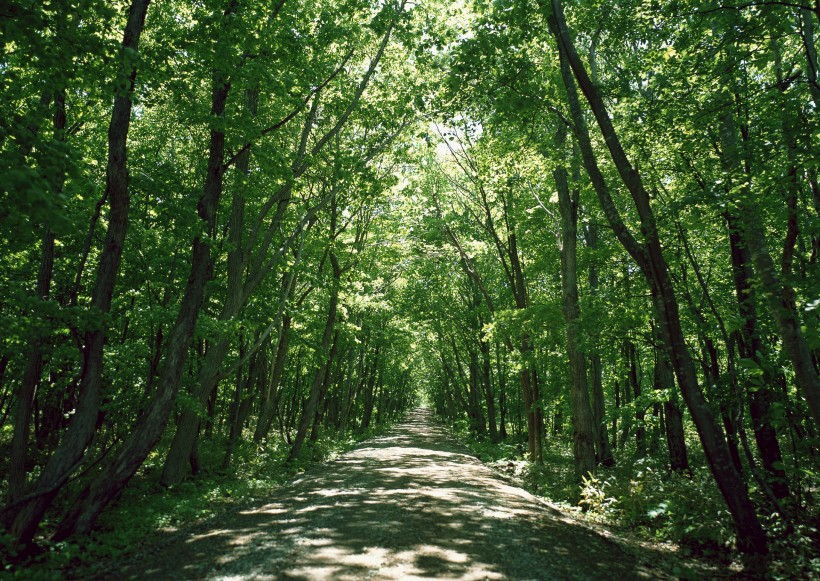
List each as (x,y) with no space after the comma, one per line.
(24,517)
(34,362)
(777,294)
(269,407)
(326,381)
(182,446)
(751,347)
(111,481)
(324,359)
(649,256)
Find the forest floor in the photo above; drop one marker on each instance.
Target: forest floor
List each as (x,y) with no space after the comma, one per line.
(411,504)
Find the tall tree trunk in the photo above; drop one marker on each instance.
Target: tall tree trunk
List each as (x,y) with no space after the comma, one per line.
(751,347)
(185,437)
(502,391)
(602,445)
(811,54)
(487,380)
(243,386)
(776,293)
(269,407)
(631,358)
(23,518)
(324,350)
(369,381)
(474,397)
(326,381)
(583,425)
(649,256)
(347,393)
(110,482)
(664,379)
(34,362)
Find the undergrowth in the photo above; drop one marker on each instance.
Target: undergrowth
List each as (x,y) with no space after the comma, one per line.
(640,499)
(147,511)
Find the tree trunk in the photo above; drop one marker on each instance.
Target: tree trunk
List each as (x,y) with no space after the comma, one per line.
(269,407)
(24,517)
(347,394)
(631,358)
(473,396)
(242,394)
(368,389)
(583,425)
(664,379)
(324,350)
(602,445)
(111,481)
(34,363)
(326,381)
(751,537)
(750,347)
(502,392)
(776,293)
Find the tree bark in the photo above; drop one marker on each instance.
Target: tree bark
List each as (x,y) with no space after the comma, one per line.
(751,347)
(324,349)
(664,379)
(501,377)
(326,381)
(269,407)
(487,380)
(604,450)
(776,294)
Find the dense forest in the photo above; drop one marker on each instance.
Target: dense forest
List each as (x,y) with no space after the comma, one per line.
(586,233)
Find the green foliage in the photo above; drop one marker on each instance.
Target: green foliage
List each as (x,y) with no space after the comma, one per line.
(443,220)
(642,499)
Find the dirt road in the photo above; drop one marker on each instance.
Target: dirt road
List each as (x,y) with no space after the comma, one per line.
(408,505)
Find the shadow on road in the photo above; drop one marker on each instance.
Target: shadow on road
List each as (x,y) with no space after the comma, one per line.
(407,505)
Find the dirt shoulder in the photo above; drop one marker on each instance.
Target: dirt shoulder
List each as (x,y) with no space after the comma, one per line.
(411,504)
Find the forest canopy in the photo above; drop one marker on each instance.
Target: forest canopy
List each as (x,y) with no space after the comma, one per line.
(232,230)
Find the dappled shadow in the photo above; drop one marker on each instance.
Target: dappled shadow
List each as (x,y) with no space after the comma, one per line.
(410,504)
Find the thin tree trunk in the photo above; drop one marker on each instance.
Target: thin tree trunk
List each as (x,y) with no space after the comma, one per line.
(326,381)
(269,407)
(327,336)
(751,347)
(34,363)
(631,356)
(583,425)
(487,380)
(777,295)
(603,447)
(368,389)
(664,379)
(501,376)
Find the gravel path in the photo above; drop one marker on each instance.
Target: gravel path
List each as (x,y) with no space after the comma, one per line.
(408,505)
